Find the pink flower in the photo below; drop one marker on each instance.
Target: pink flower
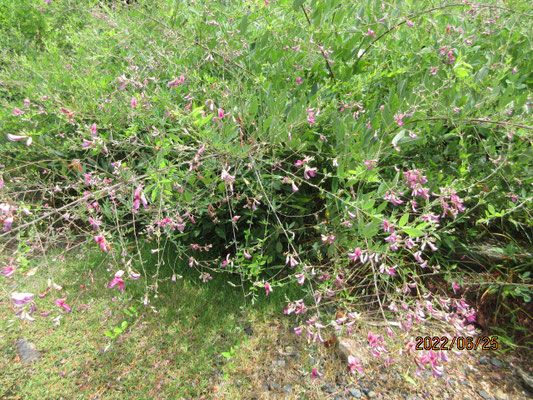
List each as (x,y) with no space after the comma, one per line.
(309,172)
(61,303)
(221,113)
(177,82)
(325,239)
(299,81)
(294,187)
(300,278)
(7,223)
(93,129)
(311,116)
(355,254)
(455,287)
(16,111)
(133,102)
(135,275)
(314,374)
(370,163)
(268,288)
(16,138)
(226,261)
(370,33)
(247,255)
(117,280)
(102,242)
(21,298)
(8,271)
(95,223)
(354,364)
(393,198)
(434,70)
(398,118)
(291,261)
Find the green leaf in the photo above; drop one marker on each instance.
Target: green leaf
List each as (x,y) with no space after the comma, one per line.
(409,379)
(403,220)
(220,233)
(226,354)
(109,334)
(124,325)
(297,4)
(368,204)
(413,231)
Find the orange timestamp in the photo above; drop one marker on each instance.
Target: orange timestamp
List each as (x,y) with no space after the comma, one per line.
(457,342)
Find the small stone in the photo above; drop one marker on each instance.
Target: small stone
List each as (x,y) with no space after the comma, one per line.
(287,388)
(527,379)
(500,395)
(371,394)
(497,363)
(279,363)
(483,360)
(355,393)
(485,395)
(382,377)
(27,352)
(328,388)
(274,386)
(347,347)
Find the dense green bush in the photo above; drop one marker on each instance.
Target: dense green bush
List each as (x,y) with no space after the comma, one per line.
(357,149)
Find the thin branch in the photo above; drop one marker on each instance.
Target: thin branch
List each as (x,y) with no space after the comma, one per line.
(423,12)
(321,49)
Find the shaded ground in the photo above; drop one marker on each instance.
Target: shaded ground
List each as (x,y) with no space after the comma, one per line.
(196,342)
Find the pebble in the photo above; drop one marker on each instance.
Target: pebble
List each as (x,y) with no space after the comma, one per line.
(500,395)
(27,352)
(328,388)
(371,394)
(485,395)
(497,363)
(274,385)
(355,393)
(279,363)
(483,360)
(287,388)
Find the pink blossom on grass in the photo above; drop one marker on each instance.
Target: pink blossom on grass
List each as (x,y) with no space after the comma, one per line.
(21,298)
(61,303)
(8,271)
(315,374)
(355,364)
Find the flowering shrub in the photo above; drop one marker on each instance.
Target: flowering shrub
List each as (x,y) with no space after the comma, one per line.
(355,162)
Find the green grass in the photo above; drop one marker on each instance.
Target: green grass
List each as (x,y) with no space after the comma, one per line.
(172,348)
